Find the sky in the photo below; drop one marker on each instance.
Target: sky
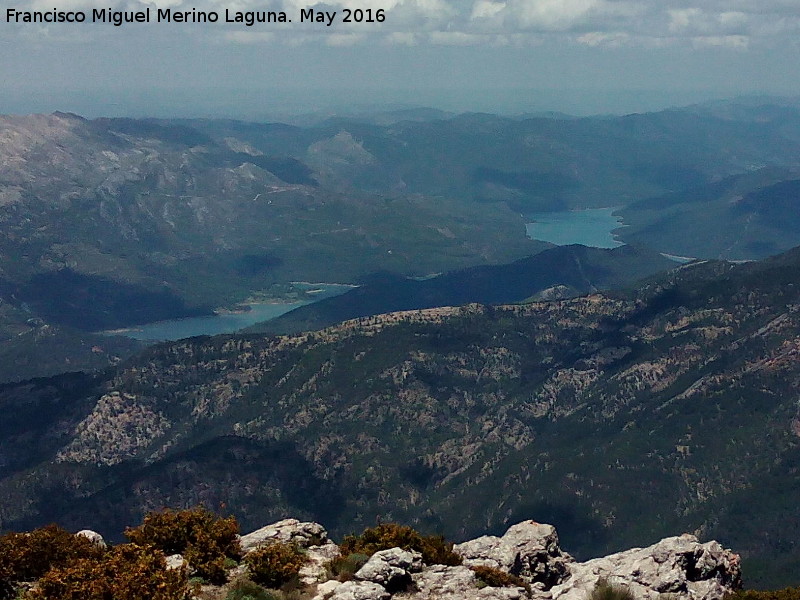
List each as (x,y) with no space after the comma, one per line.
(512,56)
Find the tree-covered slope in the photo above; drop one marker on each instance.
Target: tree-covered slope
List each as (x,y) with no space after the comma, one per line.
(741,217)
(557,273)
(109,223)
(620,419)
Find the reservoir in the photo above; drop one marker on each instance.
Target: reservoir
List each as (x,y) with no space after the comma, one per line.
(590,227)
(176,329)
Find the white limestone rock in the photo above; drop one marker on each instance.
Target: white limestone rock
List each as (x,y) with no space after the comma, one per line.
(528,549)
(487,551)
(325,590)
(318,557)
(303,534)
(677,565)
(391,568)
(359,590)
(93,537)
(439,582)
(175,561)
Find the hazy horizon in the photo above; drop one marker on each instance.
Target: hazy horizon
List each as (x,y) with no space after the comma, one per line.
(581,57)
(252,105)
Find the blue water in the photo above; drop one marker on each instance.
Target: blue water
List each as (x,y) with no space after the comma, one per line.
(176,329)
(590,227)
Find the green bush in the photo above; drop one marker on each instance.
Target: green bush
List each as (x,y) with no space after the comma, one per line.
(204,539)
(244,589)
(344,567)
(604,590)
(492,577)
(127,572)
(275,565)
(791,593)
(28,556)
(434,549)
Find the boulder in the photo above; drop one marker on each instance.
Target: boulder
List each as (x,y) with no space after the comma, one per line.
(93,537)
(303,534)
(528,549)
(677,565)
(391,569)
(325,590)
(359,590)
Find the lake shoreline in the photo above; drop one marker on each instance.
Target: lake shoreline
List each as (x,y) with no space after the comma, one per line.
(256,309)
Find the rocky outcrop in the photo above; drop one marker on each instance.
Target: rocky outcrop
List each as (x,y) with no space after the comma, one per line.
(677,565)
(681,567)
(528,549)
(291,531)
(311,537)
(391,569)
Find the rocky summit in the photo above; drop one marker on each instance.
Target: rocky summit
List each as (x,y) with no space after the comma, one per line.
(680,566)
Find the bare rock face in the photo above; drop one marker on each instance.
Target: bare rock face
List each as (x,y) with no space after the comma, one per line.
(391,569)
(439,582)
(528,549)
(318,557)
(676,565)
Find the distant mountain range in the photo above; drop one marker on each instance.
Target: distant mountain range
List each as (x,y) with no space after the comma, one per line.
(535,164)
(619,418)
(113,222)
(747,216)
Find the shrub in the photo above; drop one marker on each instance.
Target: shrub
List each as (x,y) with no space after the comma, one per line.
(497,578)
(276,564)
(604,590)
(127,572)
(344,567)
(204,539)
(244,589)
(434,549)
(28,556)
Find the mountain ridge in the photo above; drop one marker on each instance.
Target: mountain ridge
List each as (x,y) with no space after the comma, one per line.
(557,273)
(617,417)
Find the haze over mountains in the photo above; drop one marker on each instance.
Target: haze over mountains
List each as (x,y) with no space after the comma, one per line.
(114,222)
(610,391)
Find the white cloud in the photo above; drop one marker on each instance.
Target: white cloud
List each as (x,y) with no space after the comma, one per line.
(401,38)
(738,42)
(249,37)
(721,23)
(455,38)
(484,9)
(344,39)
(598,38)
